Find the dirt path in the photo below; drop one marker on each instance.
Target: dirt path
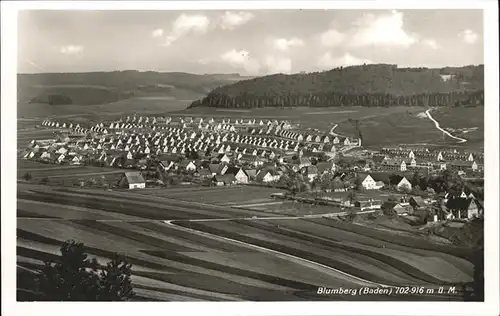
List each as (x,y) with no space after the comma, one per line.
(461,140)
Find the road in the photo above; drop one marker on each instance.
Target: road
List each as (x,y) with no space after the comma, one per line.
(461,140)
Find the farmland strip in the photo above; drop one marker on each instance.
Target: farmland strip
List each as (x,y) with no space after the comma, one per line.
(148,240)
(91,250)
(411,242)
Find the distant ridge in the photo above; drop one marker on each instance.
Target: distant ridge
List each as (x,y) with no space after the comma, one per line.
(92,88)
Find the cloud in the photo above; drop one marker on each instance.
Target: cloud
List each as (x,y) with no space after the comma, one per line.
(241,59)
(71,49)
(469,36)
(284,44)
(381,30)
(431,43)
(332,38)
(328,61)
(204,61)
(278,64)
(157,33)
(187,24)
(231,20)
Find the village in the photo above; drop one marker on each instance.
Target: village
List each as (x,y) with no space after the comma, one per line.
(313,167)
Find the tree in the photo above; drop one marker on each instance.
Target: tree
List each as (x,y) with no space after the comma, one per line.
(351,215)
(75,277)
(405,188)
(357,183)
(352,195)
(27,176)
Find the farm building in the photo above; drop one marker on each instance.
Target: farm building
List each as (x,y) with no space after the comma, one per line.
(133,180)
(369,204)
(396,208)
(417,202)
(226,179)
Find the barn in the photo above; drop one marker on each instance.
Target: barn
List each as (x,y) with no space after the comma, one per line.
(132,180)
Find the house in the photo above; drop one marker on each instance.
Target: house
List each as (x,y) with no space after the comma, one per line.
(370,184)
(239,174)
(302,162)
(310,171)
(61,157)
(204,173)
(133,180)
(217,169)
(166,164)
(394,164)
(267,176)
(463,165)
(226,179)
(338,185)
(463,208)
(223,158)
(378,159)
(404,185)
(396,208)
(188,165)
(29,155)
(75,161)
(417,202)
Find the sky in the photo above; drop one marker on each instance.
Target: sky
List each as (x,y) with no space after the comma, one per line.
(255,42)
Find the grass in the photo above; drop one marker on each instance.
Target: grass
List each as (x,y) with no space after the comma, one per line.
(464,118)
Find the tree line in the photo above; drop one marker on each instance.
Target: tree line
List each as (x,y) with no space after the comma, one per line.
(332,99)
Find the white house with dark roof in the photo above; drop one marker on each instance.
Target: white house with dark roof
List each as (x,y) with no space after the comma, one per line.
(370,184)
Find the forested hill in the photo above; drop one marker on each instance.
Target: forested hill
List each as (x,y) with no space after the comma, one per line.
(365,85)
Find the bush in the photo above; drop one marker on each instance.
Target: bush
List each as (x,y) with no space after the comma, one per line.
(27,176)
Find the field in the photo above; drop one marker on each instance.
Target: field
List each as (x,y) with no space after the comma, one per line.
(464,122)
(378,126)
(185,250)
(67,175)
(252,198)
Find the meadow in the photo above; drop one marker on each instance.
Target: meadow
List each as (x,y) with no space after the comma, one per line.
(465,122)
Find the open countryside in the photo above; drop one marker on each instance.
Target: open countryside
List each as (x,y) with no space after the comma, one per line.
(254,232)
(348,180)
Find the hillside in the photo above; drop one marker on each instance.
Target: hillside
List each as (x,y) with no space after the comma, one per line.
(366,85)
(96,88)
